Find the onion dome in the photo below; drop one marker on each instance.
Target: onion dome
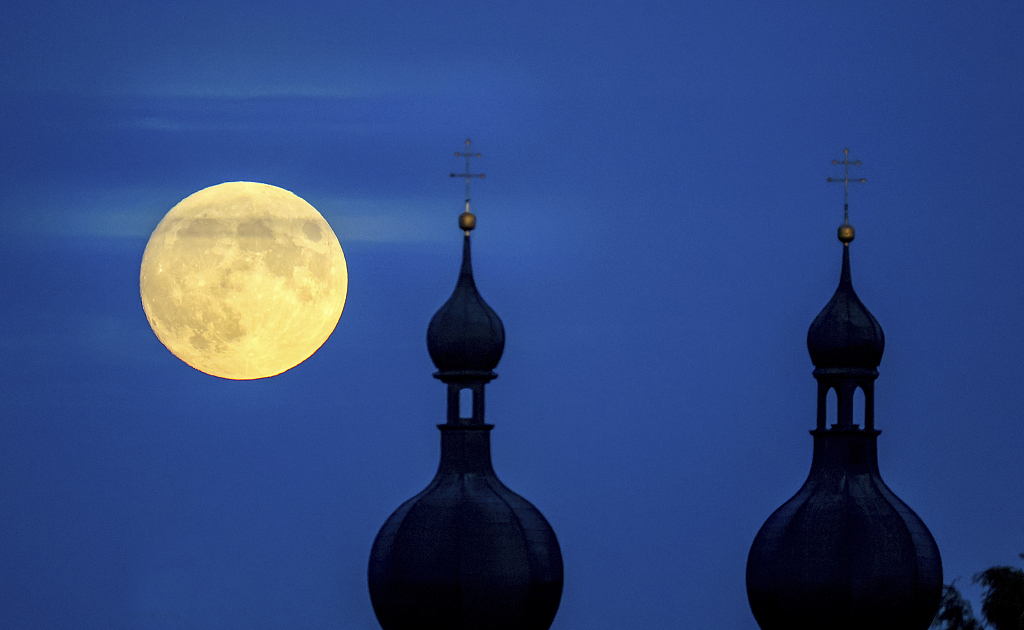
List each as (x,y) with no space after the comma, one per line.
(845,553)
(465,334)
(466,553)
(845,333)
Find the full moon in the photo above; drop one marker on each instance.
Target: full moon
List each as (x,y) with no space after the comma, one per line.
(243,280)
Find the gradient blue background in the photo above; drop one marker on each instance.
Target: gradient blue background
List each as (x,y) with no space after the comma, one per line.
(655,231)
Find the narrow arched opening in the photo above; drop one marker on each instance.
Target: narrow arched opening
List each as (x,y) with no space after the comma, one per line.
(858,406)
(465,403)
(831,408)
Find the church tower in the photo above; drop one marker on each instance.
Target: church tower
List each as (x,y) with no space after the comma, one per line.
(845,553)
(466,553)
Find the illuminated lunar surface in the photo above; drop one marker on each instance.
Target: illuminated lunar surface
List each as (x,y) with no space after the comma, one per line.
(243,280)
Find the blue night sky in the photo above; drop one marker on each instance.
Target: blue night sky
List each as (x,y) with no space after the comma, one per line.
(655,231)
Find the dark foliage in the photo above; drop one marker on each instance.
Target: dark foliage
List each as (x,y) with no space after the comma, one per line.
(955,612)
(1003,599)
(1002,602)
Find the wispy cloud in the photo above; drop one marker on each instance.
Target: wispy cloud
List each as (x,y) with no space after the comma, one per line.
(113,212)
(133,213)
(383,220)
(278,113)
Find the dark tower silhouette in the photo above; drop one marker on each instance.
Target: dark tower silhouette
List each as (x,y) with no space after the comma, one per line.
(844,553)
(466,553)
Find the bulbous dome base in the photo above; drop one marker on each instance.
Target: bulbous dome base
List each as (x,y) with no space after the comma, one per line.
(467,553)
(845,553)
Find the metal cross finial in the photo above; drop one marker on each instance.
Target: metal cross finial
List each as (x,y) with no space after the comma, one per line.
(467,174)
(846,182)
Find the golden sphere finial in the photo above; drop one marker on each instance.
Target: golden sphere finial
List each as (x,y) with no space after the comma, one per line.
(846,233)
(467,221)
